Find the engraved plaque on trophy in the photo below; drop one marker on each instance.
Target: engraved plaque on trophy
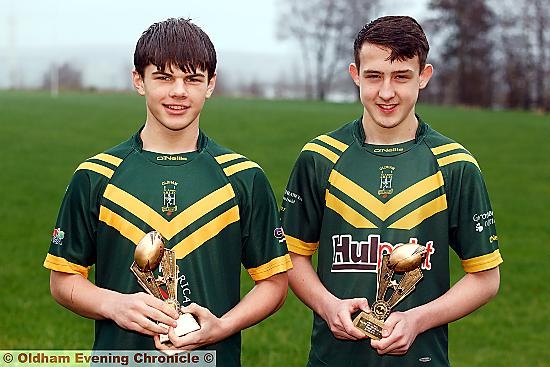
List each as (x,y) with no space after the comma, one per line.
(405,259)
(150,253)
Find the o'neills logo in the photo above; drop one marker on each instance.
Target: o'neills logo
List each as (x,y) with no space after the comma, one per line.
(366,256)
(388,150)
(169,197)
(170,158)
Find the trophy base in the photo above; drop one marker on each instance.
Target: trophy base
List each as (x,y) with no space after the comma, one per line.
(369,325)
(186,324)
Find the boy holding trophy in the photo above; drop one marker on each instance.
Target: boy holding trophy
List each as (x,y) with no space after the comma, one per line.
(187,210)
(387,182)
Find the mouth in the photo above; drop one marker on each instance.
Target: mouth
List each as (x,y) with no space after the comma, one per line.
(387,108)
(176,108)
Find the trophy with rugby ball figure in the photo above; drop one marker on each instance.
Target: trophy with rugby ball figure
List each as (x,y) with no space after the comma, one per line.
(149,254)
(405,259)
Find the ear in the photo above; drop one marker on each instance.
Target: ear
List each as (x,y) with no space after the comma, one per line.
(211,86)
(425,75)
(354,72)
(137,81)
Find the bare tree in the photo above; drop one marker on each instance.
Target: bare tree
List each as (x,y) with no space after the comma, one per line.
(467,48)
(513,55)
(540,13)
(324,31)
(523,52)
(65,76)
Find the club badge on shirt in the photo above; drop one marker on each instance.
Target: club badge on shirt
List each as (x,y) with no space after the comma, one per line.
(169,197)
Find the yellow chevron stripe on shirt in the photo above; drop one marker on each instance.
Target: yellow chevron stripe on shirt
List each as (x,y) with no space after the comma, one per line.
(278,265)
(122,225)
(228,157)
(206,232)
(300,247)
(325,152)
(62,265)
(97,168)
(333,142)
(349,214)
(420,214)
(115,161)
(237,167)
(484,262)
(458,157)
(169,229)
(399,201)
(446,148)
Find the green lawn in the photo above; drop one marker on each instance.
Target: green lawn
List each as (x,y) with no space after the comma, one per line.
(44,139)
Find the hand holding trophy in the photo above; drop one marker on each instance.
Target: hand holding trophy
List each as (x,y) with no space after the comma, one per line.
(149,254)
(405,259)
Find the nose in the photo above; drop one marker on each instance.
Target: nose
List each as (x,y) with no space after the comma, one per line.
(386,91)
(179,89)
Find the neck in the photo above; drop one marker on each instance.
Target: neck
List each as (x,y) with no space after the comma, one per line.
(388,135)
(162,140)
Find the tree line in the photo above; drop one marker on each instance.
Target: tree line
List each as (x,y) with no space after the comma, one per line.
(486,53)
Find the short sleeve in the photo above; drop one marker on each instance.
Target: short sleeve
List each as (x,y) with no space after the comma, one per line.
(73,248)
(303,203)
(264,251)
(472,222)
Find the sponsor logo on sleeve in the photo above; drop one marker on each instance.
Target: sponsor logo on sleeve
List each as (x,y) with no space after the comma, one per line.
(483,220)
(57,236)
(279,234)
(291,197)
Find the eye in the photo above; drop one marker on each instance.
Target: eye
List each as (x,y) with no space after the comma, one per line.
(194,80)
(163,77)
(402,77)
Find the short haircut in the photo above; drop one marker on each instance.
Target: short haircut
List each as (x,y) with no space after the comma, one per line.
(175,42)
(401,34)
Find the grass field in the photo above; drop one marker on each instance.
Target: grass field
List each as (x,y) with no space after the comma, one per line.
(42,140)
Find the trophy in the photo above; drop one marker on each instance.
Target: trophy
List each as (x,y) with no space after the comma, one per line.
(404,259)
(149,254)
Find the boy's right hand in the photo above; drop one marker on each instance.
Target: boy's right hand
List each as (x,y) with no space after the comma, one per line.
(140,312)
(337,314)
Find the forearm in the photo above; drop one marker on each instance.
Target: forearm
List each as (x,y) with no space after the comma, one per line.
(138,312)
(265,298)
(79,295)
(307,286)
(468,294)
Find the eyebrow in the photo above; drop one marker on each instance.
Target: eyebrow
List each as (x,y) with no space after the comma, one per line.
(404,71)
(159,72)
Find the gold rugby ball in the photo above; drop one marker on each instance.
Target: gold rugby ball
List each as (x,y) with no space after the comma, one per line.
(406,257)
(149,251)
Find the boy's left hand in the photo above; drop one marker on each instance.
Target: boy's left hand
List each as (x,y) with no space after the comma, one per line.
(212,330)
(398,335)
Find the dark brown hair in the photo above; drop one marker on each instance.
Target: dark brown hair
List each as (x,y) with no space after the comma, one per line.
(401,34)
(175,42)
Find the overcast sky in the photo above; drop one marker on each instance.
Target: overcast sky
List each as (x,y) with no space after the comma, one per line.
(247,25)
(61,28)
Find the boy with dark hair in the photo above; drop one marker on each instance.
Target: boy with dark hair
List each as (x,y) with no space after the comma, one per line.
(382,180)
(214,207)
